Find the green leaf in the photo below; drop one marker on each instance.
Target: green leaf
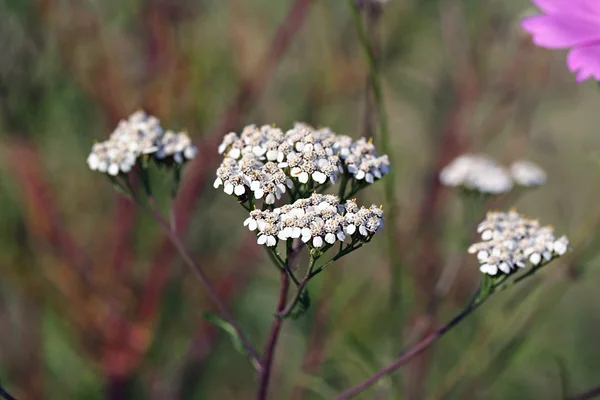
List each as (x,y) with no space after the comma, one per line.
(118,186)
(229,329)
(302,306)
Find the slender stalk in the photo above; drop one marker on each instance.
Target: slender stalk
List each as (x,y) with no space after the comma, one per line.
(290,307)
(203,278)
(389,182)
(413,351)
(590,394)
(5,395)
(267,362)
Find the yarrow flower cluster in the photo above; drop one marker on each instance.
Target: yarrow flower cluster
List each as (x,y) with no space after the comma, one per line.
(569,24)
(511,241)
(139,135)
(527,173)
(267,162)
(319,220)
(478,173)
(483,174)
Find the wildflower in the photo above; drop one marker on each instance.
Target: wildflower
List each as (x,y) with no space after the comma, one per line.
(266,161)
(318,221)
(527,173)
(139,135)
(478,173)
(511,241)
(569,25)
(177,146)
(364,163)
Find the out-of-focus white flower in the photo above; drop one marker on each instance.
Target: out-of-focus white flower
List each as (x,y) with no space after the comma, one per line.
(527,173)
(511,241)
(363,162)
(139,135)
(478,173)
(175,146)
(318,221)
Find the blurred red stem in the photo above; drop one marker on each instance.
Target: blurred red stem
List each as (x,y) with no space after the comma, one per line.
(263,383)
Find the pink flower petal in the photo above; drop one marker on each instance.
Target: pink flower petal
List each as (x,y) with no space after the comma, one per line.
(556,32)
(590,8)
(585,62)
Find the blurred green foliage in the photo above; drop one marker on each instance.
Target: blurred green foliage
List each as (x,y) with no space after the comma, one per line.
(458,76)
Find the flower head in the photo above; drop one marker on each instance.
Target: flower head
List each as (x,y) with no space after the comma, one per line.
(527,173)
(139,135)
(266,161)
(478,173)
(569,24)
(511,241)
(319,220)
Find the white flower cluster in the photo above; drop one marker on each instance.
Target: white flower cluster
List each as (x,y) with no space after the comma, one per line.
(361,159)
(318,220)
(140,134)
(478,173)
(266,161)
(483,174)
(510,240)
(527,173)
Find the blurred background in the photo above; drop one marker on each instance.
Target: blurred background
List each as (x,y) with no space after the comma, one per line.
(94,301)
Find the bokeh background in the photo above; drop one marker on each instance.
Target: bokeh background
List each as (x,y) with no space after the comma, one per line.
(95,303)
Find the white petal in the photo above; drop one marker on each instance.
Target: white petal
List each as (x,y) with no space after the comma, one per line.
(296,232)
(350,229)
(254,185)
(272,155)
(240,190)
(271,241)
(482,255)
(317,241)
(262,239)
(504,267)
(259,193)
(228,188)
(489,269)
(319,177)
(341,236)
(559,247)
(258,151)
(360,174)
(369,178)
(218,182)
(303,177)
(487,235)
(270,199)
(113,169)
(535,258)
(363,230)
(234,153)
(330,238)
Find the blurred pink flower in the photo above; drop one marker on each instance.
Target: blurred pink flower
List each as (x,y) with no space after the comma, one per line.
(569,24)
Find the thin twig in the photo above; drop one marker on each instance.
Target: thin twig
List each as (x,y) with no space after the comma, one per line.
(5,395)
(412,352)
(590,394)
(201,275)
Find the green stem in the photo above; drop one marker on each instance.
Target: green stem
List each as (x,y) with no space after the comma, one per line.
(389,192)
(301,286)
